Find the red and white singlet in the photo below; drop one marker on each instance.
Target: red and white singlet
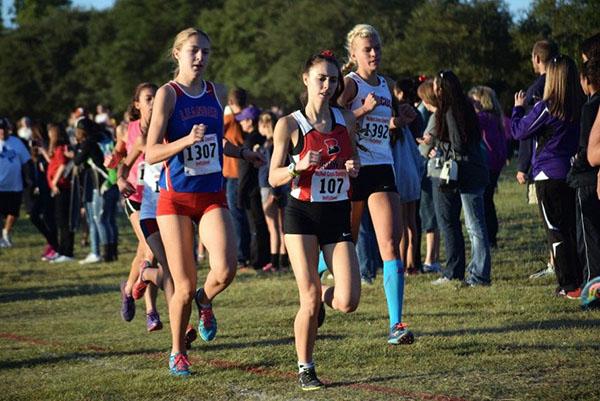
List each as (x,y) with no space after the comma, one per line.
(329,182)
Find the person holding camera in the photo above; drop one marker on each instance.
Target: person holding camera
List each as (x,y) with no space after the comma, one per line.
(463,179)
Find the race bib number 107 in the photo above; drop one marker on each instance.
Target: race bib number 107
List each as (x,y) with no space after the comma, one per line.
(329,185)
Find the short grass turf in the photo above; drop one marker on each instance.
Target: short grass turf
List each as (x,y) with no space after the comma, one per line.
(61,336)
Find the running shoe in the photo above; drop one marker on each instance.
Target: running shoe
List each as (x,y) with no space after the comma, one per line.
(139,287)
(190,336)
(321,316)
(432,268)
(179,365)
(399,334)
(5,243)
(547,272)
(441,281)
(62,259)
(127,304)
(574,294)
(269,268)
(49,257)
(207,326)
(153,322)
(47,249)
(90,258)
(308,380)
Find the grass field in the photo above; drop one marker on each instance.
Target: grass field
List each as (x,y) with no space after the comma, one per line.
(61,336)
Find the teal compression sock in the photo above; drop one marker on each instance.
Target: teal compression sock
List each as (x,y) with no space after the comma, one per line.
(393,284)
(322,263)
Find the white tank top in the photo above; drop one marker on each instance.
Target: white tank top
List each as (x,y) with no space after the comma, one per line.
(374,127)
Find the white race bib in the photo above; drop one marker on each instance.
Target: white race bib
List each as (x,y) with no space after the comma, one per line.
(152,175)
(140,173)
(329,185)
(202,157)
(376,131)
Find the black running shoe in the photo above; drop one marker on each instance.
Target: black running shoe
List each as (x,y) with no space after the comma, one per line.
(321,317)
(308,380)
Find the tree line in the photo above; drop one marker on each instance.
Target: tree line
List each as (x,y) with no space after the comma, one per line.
(57,56)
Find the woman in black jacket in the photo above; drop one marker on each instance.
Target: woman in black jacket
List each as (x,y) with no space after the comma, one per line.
(459,138)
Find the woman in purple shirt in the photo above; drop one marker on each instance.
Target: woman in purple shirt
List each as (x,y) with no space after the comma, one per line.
(553,123)
(491,122)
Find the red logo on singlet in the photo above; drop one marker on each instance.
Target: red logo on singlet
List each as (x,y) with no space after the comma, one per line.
(332,146)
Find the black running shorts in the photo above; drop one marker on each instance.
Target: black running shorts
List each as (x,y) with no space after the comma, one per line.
(10,203)
(131,207)
(329,221)
(371,179)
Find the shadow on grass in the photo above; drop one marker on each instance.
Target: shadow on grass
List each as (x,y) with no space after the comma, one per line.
(542,325)
(48,293)
(370,380)
(96,357)
(262,343)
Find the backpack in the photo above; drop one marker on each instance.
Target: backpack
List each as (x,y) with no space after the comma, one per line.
(590,296)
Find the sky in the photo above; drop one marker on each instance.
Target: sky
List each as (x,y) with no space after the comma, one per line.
(515,6)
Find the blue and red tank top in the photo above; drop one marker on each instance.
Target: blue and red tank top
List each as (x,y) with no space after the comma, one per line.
(198,168)
(328,182)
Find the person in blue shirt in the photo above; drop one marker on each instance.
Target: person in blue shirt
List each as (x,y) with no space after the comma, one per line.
(14,162)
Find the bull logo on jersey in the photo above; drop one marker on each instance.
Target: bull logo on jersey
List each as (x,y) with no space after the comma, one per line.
(332,146)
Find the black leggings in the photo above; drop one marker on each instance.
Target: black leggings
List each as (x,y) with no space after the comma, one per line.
(557,207)
(66,237)
(41,214)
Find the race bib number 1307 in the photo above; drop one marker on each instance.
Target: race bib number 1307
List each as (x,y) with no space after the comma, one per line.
(202,157)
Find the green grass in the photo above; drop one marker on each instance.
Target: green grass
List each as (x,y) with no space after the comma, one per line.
(61,336)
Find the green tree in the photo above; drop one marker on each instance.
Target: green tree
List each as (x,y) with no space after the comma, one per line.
(27,12)
(129,44)
(262,45)
(567,22)
(36,65)
(472,38)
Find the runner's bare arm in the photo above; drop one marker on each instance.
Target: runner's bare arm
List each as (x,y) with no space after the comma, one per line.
(156,150)
(278,172)
(353,164)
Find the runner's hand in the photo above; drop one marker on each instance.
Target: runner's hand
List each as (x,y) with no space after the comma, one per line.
(353,167)
(312,158)
(125,187)
(370,102)
(196,134)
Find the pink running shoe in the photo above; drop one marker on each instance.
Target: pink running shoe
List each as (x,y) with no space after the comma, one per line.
(47,249)
(269,268)
(139,288)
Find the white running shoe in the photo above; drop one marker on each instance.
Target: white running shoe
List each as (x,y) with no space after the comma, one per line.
(5,242)
(90,258)
(441,281)
(62,259)
(548,271)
